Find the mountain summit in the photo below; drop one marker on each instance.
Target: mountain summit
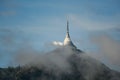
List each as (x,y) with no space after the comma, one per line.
(64,63)
(61,64)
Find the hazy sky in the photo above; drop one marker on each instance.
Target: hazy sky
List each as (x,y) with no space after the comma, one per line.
(37,23)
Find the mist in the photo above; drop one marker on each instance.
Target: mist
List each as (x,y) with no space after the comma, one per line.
(64,60)
(108,50)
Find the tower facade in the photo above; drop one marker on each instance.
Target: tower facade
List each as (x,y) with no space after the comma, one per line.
(67,40)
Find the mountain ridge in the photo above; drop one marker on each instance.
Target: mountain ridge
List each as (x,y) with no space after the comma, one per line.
(62,64)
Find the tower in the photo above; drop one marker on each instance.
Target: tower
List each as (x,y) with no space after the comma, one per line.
(67,40)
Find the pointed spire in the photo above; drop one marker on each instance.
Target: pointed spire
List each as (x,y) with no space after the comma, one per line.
(67,40)
(67,26)
(67,34)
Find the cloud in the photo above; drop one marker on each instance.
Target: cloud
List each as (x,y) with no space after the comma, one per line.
(109,49)
(8,7)
(61,60)
(7,13)
(90,22)
(56,60)
(10,41)
(7,36)
(56,43)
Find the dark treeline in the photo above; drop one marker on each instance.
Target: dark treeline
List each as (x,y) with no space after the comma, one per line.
(34,73)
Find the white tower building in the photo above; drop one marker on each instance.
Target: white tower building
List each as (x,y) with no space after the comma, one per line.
(67,40)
